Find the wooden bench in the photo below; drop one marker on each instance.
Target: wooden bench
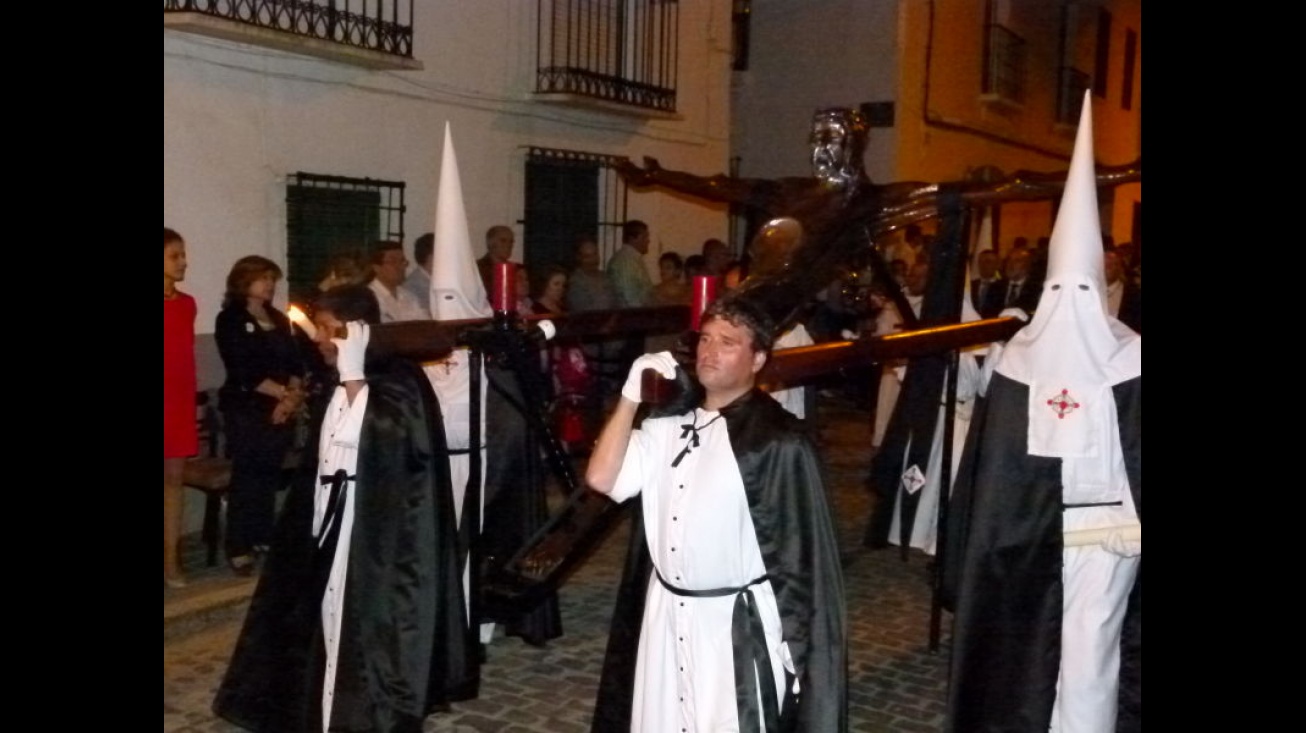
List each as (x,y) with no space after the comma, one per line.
(210,471)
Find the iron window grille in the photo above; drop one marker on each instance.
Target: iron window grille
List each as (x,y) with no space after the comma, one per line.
(328,216)
(1070,94)
(1004,64)
(621,51)
(570,193)
(376,25)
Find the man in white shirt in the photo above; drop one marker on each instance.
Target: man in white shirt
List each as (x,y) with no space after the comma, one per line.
(389,269)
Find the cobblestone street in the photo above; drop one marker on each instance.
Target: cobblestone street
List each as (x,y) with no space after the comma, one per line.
(895,683)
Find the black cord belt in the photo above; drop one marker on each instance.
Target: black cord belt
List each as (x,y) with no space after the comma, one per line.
(332,518)
(751,655)
(1092,504)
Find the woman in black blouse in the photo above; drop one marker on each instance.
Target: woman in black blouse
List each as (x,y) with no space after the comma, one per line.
(259,401)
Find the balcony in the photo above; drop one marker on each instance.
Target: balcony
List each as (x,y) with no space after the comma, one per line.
(373,34)
(1004,67)
(616,55)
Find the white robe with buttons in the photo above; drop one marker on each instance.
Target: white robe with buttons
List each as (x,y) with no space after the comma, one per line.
(700,536)
(337,449)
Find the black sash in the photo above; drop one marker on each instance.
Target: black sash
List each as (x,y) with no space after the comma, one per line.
(325,555)
(750,653)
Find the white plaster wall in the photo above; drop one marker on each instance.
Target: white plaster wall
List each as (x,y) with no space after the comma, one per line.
(239,118)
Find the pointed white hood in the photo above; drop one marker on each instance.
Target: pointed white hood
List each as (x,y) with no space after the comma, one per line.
(456,288)
(1072,351)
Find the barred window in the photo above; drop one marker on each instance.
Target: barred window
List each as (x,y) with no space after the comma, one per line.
(570,193)
(328,216)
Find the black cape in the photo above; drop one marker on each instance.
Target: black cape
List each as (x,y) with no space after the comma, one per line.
(515,503)
(909,438)
(786,495)
(406,647)
(1002,570)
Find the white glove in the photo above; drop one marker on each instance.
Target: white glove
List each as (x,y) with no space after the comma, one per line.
(351,350)
(1116,544)
(662,362)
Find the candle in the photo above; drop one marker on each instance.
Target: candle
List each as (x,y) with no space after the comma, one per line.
(704,294)
(298,318)
(503,297)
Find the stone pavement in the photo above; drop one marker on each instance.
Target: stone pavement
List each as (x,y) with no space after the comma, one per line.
(896,684)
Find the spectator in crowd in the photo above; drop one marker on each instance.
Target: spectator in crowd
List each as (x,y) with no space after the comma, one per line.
(672,288)
(418,281)
(695,266)
(626,269)
(588,286)
(986,291)
(389,270)
(260,402)
(1022,290)
(499,241)
(716,257)
(180,433)
(589,289)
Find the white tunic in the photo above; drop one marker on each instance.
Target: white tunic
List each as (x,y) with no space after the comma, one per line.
(1097,585)
(337,450)
(451,380)
(793,399)
(700,536)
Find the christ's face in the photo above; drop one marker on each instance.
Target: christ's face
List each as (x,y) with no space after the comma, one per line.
(830,151)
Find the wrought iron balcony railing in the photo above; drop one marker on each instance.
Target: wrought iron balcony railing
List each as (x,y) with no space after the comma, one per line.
(384,26)
(620,51)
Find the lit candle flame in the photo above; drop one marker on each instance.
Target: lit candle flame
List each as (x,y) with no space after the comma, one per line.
(298,317)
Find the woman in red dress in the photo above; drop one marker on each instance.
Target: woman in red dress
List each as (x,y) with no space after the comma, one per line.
(180,435)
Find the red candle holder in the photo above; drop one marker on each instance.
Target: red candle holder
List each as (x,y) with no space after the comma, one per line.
(704,294)
(503,296)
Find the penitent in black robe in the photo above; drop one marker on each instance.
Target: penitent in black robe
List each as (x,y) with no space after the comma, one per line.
(786,496)
(405,646)
(1002,570)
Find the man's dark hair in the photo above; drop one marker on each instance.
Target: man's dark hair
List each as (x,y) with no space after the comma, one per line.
(672,257)
(351,303)
(380,248)
(694,265)
(170,236)
(632,229)
(714,243)
(741,312)
(424,247)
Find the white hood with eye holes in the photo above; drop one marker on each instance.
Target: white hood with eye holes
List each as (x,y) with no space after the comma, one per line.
(1073,352)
